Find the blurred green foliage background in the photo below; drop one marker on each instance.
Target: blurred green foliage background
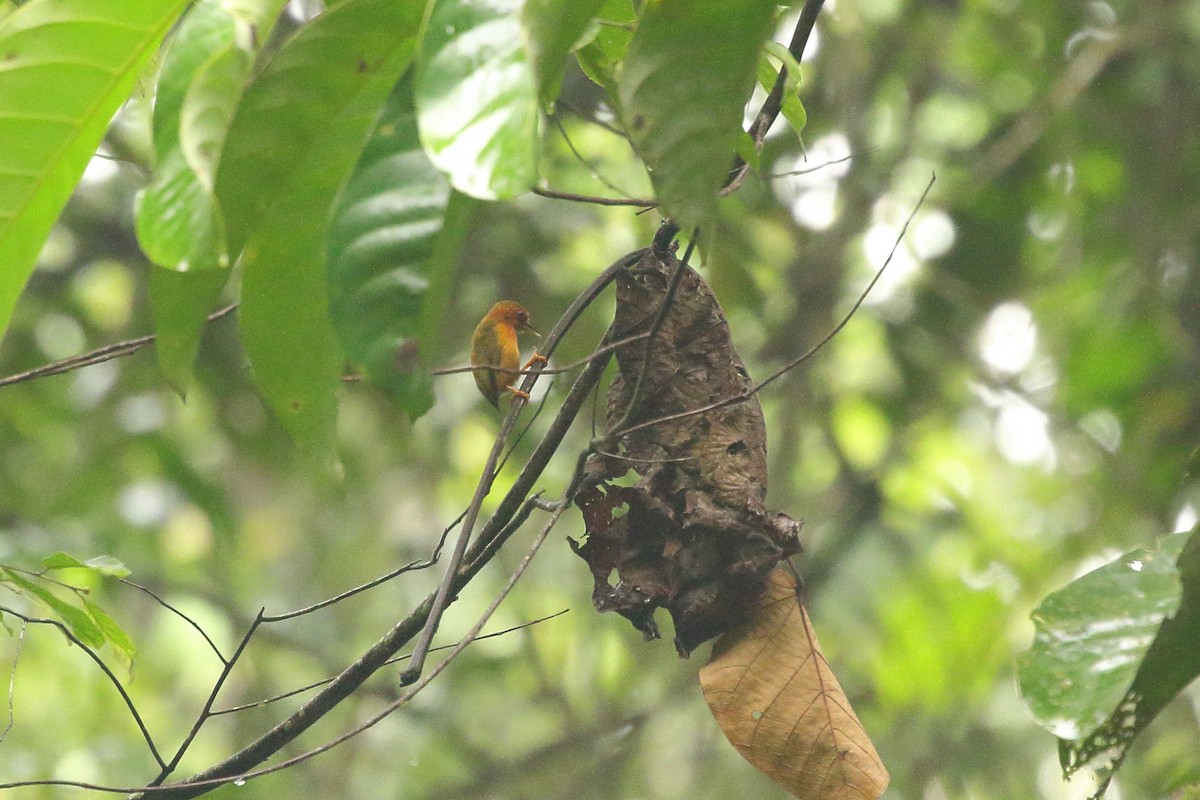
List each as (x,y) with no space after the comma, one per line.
(1015,404)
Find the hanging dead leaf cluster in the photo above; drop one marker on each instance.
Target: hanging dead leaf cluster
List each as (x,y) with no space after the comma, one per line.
(676,509)
(675,512)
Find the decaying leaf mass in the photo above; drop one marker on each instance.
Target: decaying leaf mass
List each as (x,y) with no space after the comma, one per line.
(676,509)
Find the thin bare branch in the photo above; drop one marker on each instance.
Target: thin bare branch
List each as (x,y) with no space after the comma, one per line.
(599,352)
(205,713)
(409,567)
(12,680)
(106,353)
(395,660)
(818,167)
(579,157)
(108,673)
(195,625)
(554,194)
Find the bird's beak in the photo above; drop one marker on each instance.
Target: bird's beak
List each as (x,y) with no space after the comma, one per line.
(525,326)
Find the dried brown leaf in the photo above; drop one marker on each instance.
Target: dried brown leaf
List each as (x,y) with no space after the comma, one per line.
(693,536)
(780,705)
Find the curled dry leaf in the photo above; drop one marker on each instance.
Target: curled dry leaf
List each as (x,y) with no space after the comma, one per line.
(780,705)
(692,533)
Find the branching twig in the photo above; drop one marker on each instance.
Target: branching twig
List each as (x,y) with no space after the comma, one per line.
(389,662)
(108,673)
(195,625)
(205,712)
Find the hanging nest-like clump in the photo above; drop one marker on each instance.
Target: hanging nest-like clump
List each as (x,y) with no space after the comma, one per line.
(676,509)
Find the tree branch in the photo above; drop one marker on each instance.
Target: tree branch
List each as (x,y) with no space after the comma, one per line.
(106,353)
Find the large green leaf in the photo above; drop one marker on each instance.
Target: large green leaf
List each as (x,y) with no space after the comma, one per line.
(682,88)
(179,224)
(1093,635)
(476,98)
(176,227)
(550,28)
(383,235)
(1170,663)
(67,67)
(298,134)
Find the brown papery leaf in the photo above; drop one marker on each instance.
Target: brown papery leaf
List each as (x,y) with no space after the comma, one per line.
(779,704)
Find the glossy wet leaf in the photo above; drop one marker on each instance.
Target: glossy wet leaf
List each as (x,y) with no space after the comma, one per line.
(477,99)
(179,222)
(68,66)
(380,246)
(1092,636)
(1170,663)
(313,109)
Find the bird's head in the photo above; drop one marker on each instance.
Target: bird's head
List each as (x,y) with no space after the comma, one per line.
(506,312)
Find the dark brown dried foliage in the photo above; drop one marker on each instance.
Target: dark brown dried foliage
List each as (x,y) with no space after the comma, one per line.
(691,533)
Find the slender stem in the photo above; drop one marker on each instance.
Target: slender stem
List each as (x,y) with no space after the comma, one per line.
(106,353)
(108,673)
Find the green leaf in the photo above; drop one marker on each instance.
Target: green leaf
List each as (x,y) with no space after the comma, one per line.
(599,58)
(106,566)
(68,66)
(62,560)
(1092,636)
(182,302)
(682,89)
(792,108)
(74,618)
(179,223)
(116,636)
(297,136)
(477,100)
(1171,663)
(383,235)
(747,150)
(109,567)
(550,29)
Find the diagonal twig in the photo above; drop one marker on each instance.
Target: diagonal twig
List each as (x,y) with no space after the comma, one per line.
(106,353)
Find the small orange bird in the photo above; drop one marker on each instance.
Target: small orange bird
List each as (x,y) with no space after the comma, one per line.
(495,345)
